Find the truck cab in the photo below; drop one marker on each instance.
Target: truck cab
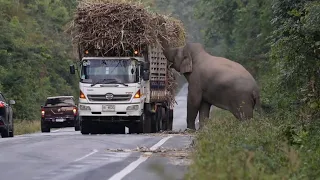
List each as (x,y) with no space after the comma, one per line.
(115,91)
(112,90)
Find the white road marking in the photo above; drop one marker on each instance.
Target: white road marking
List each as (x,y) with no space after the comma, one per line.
(56,130)
(93,152)
(162,141)
(135,164)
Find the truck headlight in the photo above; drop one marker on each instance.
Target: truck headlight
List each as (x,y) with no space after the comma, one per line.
(133,108)
(83,107)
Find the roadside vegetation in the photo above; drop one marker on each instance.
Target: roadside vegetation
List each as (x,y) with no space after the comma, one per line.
(35,53)
(26,127)
(263,148)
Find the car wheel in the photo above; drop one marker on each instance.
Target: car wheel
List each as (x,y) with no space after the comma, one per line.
(77,124)
(5,133)
(11,133)
(77,128)
(44,127)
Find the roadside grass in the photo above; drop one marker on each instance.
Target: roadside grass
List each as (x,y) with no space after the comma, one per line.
(262,148)
(26,127)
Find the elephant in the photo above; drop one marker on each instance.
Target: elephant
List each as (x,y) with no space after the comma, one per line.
(212,80)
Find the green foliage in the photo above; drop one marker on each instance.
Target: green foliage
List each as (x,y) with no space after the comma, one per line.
(258,149)
(34,54)
(26,127)
(295,51)
(237,30)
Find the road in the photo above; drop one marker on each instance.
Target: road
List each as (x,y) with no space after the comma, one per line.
(65,154)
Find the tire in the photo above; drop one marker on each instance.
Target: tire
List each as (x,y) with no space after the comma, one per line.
(157,123)
(11,133)
(85,127)
(77,128)
(170,119)
(145,123)
(4,133)
(44,128)
(154,122)
(120,129)
(76,124)
(135,128)
(97,128)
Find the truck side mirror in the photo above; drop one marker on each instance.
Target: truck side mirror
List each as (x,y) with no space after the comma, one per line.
(72,69)
(146,75)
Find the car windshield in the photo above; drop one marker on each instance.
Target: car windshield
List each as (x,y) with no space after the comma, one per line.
(59,102)
(106,71)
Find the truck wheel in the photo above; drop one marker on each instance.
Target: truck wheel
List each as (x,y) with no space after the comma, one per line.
(44,127)
(145,123)
(155,122)
(85,127)
(119,129)
(170,119)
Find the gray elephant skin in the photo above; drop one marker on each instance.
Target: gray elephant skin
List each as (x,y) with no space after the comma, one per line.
(213,81)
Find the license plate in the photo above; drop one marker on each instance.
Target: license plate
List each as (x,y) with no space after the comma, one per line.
(59,120)
(108,108)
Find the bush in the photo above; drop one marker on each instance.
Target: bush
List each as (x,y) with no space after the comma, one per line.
(26,127)
(262,148)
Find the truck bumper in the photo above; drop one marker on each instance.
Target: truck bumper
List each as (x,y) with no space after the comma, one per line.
(121,110)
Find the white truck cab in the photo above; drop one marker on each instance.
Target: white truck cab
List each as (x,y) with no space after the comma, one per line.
(111,86)
(122,91)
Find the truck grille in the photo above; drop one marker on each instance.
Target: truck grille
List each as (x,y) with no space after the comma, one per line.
(107,97)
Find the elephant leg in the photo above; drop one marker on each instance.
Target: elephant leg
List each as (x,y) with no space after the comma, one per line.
(203,113)
(193,106)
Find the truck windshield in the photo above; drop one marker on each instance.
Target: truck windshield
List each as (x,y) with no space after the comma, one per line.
(117,70)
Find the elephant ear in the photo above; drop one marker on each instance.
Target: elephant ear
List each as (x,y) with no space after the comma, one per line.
(186,64)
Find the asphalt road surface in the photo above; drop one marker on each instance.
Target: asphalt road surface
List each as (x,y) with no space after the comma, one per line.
(65,154)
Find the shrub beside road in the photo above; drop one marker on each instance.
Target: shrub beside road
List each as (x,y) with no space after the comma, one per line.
(263,148)
(26,127)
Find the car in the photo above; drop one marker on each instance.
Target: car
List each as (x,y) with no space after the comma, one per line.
(58,111)
(6,117)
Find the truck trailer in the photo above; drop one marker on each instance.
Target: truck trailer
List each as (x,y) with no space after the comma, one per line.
(128,90)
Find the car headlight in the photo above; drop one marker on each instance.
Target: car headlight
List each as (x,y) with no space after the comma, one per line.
(83,107)
(133,108)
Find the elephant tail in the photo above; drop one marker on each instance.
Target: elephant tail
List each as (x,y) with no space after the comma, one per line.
(257,102)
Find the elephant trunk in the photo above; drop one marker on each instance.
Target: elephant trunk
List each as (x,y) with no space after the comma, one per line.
(165,46)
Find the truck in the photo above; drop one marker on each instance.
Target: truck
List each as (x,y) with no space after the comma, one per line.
(57,112)
(127,90)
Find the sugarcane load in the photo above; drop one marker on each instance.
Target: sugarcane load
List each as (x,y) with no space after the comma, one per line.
(125,79)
